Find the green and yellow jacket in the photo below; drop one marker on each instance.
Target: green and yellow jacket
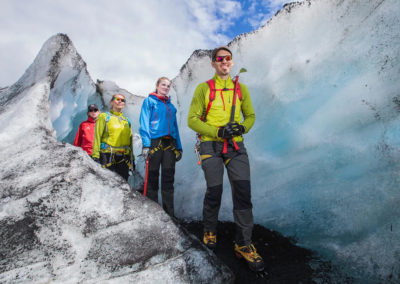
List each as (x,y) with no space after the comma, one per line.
(220,111)
(116,133)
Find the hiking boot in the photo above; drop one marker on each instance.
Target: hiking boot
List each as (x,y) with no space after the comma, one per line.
(210,240)
(249,253)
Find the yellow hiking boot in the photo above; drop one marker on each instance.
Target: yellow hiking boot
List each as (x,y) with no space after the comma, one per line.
(210,240)
(249,253)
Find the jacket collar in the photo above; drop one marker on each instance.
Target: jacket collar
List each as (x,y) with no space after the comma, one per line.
(225,83)
(116,113)
(90,119)
(162,98)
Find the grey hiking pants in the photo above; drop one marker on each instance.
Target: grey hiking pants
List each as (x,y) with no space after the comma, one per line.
(238,168)
(165,158)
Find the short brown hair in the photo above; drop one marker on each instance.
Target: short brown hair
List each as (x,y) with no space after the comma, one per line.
(215,51)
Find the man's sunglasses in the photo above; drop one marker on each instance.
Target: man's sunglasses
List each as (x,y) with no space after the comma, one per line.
(221,58)
(93,110)
(119,99)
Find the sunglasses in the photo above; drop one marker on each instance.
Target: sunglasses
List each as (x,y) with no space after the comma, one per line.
(221,58)
(119,99)
(93,110)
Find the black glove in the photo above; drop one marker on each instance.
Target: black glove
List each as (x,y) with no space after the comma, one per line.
(225,132)
(97,160)
(178,155)
(237,129)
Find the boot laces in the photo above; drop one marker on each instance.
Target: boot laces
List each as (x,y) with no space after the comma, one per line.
(251,250)
(210,236)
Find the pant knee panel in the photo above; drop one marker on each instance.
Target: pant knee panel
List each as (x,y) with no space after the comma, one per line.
(241,195)
(213,196)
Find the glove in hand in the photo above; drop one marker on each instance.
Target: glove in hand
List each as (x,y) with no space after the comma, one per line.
(225,132)
(145,152)
(237,129)
(179,155)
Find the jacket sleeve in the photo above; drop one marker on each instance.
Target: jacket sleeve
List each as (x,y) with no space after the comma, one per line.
(78,137)
(197,108)
(178,138)
(144,120)
(98,134)
(247,109)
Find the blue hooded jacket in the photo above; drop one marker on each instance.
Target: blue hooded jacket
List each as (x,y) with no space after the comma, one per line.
(158,119)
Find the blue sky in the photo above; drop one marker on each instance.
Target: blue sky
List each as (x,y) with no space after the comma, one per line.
(130,42)
(252,15)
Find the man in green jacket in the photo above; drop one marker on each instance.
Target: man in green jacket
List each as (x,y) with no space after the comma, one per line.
(222,145)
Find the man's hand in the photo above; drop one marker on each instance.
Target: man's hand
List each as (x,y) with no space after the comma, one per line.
(225,132)
(237,129)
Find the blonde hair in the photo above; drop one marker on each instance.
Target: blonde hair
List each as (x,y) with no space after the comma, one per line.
(159,81)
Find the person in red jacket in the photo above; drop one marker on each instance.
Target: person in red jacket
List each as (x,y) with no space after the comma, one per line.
(85,135)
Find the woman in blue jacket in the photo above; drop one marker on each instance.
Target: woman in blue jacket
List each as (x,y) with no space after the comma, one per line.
(161,143)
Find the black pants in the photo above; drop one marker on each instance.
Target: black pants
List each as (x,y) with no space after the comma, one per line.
(118,163)
(166,158)
(237,166)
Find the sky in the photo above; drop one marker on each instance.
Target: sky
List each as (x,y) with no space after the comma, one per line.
(130,42)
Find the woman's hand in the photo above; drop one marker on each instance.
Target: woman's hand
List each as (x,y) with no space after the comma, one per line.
(179,155)
(145,152)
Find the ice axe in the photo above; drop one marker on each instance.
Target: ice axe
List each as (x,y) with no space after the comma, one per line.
(233,110)
(146,176)
(235,82)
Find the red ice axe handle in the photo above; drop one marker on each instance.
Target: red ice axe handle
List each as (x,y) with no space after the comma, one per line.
(146,177)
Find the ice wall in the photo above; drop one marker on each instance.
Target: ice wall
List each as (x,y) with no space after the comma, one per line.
(323,76)
(65,219)
(324,151)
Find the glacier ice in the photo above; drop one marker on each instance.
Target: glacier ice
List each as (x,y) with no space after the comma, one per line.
(64,219)
(324,79)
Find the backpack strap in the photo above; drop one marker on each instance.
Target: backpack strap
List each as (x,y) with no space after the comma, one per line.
(238,91)
(107,119)
(211,97)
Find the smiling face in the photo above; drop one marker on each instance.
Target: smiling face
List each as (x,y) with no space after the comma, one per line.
(163,86)
(223,68)
(117,102)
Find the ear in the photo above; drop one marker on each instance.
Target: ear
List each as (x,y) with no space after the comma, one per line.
(213,64)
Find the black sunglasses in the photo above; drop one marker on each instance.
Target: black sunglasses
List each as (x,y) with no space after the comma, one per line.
(93,109)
